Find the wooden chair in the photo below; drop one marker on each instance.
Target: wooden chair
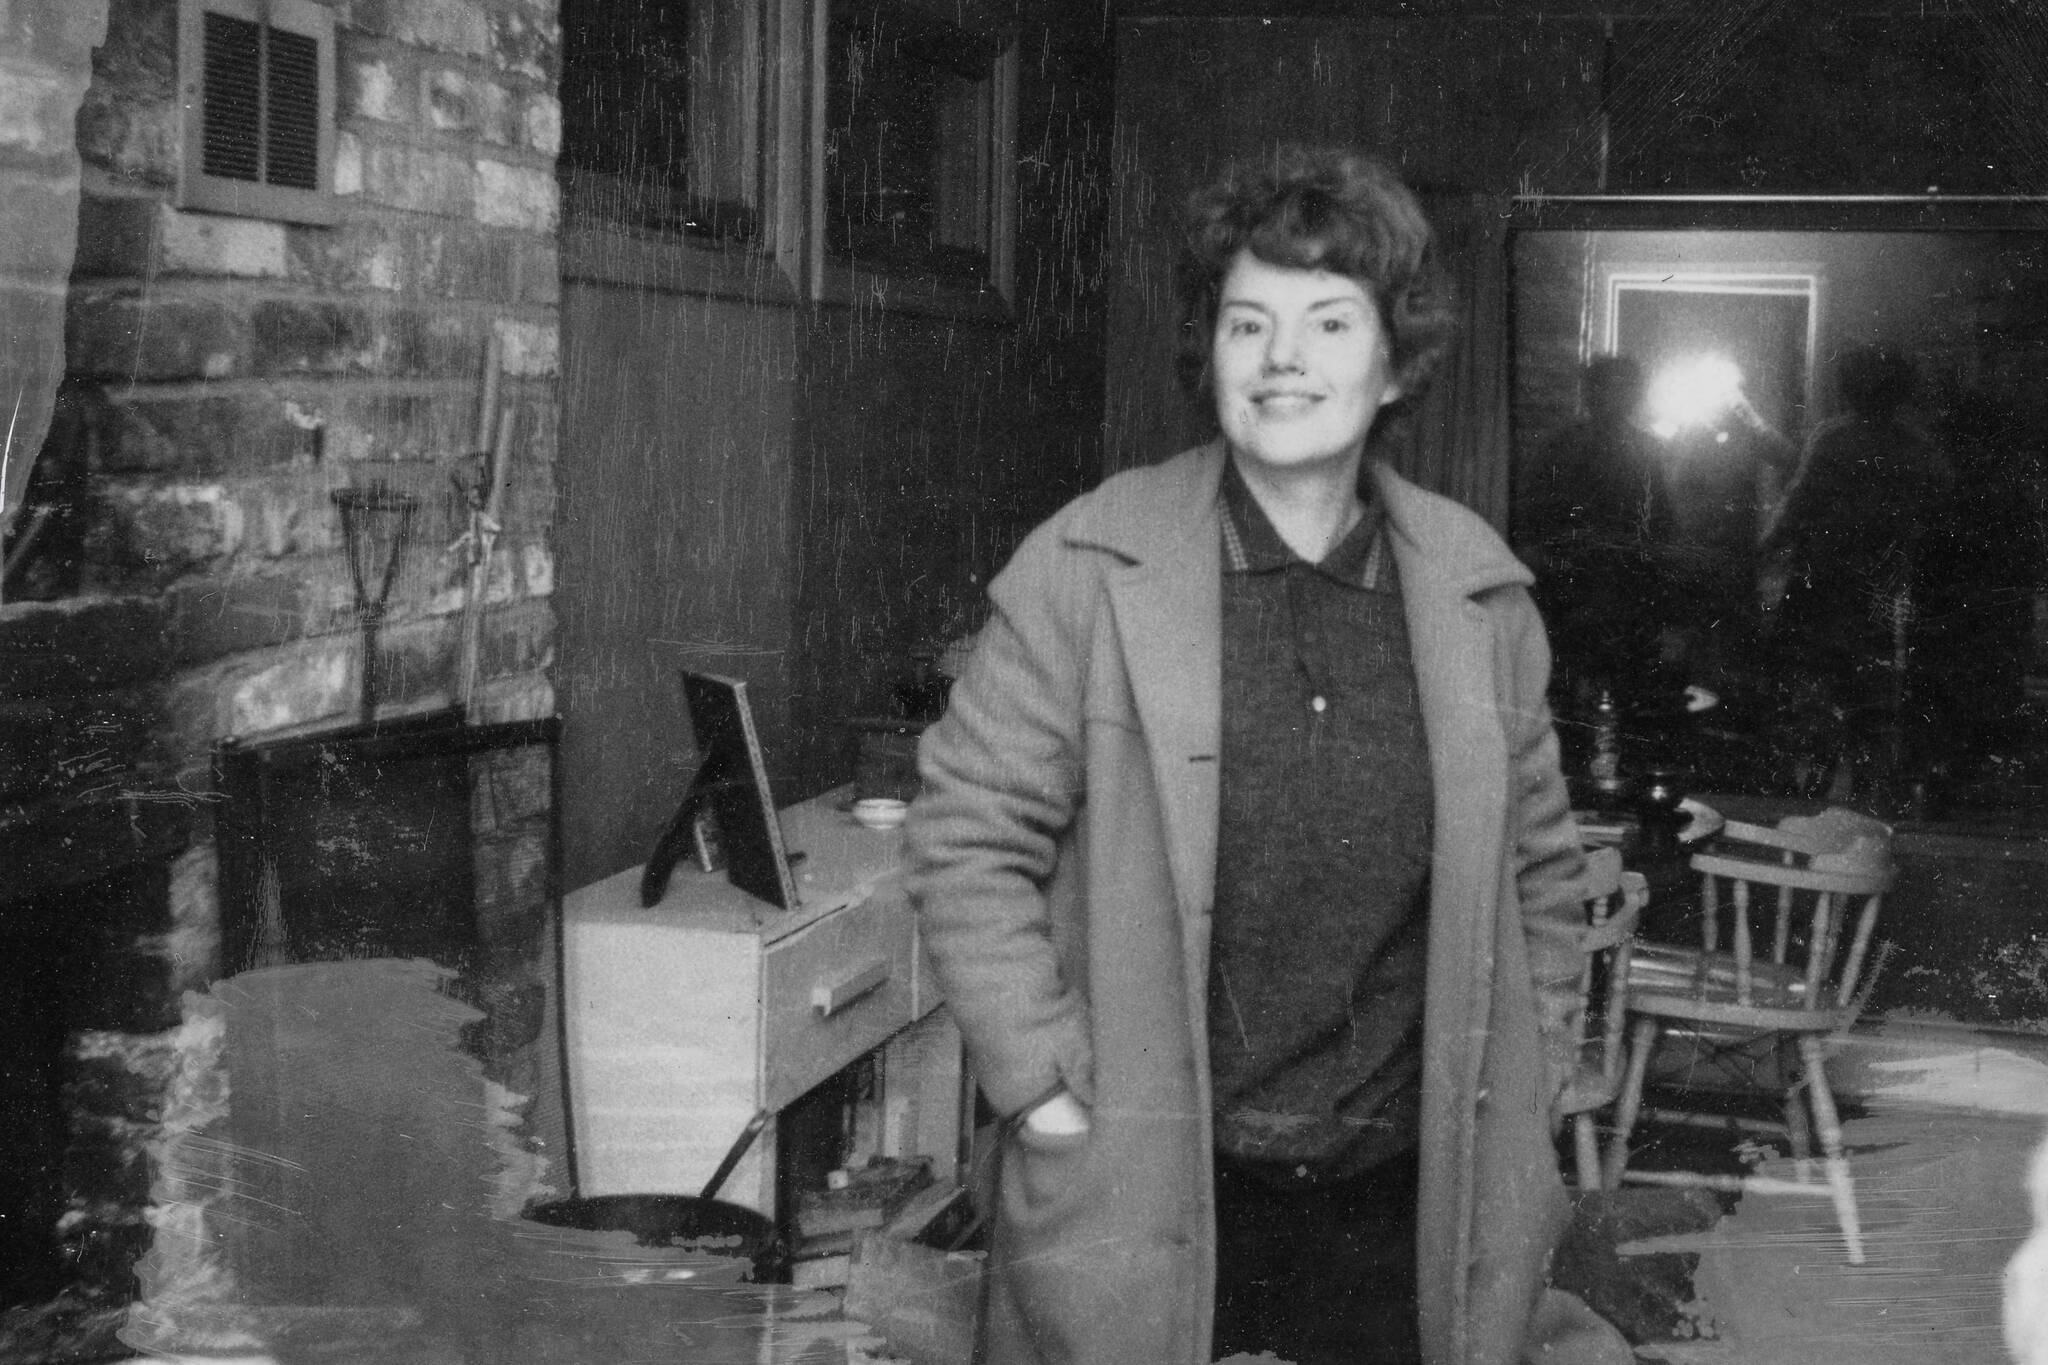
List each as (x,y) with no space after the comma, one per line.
(1614,900)
(1822,879)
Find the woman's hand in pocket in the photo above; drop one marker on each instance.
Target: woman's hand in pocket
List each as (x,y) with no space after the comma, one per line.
(1050,1142)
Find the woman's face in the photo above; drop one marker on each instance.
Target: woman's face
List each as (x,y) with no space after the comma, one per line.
(1301,365)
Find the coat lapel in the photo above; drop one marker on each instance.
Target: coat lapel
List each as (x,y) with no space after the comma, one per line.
(1166,601)
(1175,667)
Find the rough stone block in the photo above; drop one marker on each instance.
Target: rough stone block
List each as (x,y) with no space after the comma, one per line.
(366,251)
(448,25)
(537,568)
(309,682)
(513,876)
(163,336)
(532,349)
(192,945)
(417,660)
(348,164)
(117,1076)
(173,528)
(116,235)
(509,786)
(417,255)
(478,264)
(128,120)
(459,103)
(294,518)
(517,639)
(210,244)
(517,196)
(195,434)
(542,119)
(528,44)
(404,424)
(371,88)
(527,697)
(418,179)
(217,618)
(303,335)
(430,342)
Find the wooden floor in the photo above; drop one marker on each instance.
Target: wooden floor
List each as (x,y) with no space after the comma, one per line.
(1949,1118)
(1941,1124)
(353,1207)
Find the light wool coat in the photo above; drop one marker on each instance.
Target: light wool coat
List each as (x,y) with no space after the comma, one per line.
(1063,866)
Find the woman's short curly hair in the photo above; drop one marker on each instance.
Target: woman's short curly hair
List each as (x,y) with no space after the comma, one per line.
(1318,208)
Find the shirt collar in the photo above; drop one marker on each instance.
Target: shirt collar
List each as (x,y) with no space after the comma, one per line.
(1251,545)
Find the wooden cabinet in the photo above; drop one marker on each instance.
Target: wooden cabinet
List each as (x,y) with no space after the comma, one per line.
(683,1019)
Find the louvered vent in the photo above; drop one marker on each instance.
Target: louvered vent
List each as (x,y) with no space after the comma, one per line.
(258,106)
(233,114)
(291,134)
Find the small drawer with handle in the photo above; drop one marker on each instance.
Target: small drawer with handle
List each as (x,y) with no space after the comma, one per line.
(833,991)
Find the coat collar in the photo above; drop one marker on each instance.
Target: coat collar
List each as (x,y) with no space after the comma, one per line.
(1150,514)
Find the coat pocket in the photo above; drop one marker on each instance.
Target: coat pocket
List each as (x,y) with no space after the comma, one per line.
(1043,1174)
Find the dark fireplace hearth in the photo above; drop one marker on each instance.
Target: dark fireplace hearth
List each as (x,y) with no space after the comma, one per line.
(86,996)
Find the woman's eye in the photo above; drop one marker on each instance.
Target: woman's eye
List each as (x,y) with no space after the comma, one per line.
(1336,324)
(1242,327)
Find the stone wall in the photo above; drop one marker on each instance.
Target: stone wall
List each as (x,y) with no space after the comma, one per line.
(245,369)
(221,379)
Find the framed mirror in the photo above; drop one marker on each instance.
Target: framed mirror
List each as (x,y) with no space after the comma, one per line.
(1779,465)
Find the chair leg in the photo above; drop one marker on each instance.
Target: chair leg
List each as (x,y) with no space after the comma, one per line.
(1798,1127)
(1641,1039)
(1830,1125)
(1589,1152)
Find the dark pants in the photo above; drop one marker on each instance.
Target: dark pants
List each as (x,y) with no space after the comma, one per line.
(1320,1275)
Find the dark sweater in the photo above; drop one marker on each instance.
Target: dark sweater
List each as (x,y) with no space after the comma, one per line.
(1315,993)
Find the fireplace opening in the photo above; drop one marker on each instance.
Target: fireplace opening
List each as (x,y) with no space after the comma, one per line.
(85,995)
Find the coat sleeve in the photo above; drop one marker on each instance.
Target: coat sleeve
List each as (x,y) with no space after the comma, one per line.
(1002,783)
(1549,860)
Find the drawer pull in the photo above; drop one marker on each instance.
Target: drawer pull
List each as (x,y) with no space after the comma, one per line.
(830,997)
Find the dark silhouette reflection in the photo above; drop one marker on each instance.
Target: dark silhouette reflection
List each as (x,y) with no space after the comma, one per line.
(1849,540)
(1592,522)
(1721,469)
(1980,565)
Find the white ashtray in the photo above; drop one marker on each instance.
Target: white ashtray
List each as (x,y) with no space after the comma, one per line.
(880,812)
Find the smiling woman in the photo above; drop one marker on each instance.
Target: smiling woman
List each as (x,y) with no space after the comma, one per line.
(1207,666)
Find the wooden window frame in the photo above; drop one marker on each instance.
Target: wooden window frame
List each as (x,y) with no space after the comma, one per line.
(781,132)
(769,124)
(838,281)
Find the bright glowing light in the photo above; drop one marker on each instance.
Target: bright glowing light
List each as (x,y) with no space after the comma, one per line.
(1692,393)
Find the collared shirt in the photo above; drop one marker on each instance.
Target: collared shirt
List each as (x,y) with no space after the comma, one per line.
(1322,853)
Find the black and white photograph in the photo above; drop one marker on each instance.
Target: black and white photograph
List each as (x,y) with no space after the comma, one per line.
(1023,682)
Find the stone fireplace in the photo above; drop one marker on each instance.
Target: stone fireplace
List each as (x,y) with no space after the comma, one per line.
(188,392)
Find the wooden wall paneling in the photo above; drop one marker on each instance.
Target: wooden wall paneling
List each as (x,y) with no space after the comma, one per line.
(673,545)
(925,446)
